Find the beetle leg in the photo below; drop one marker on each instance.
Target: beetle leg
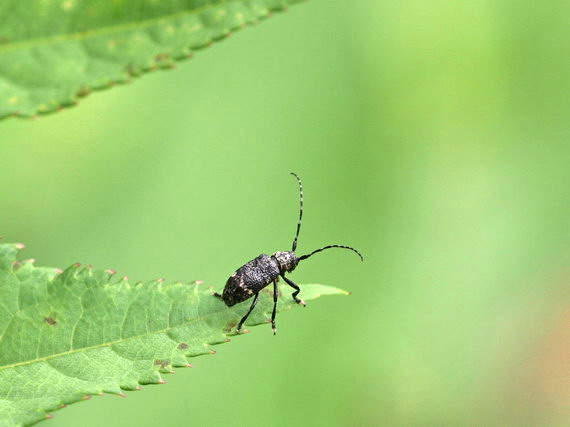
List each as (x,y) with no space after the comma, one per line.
(297,290)
(275,295)
(218,295)
(244,318)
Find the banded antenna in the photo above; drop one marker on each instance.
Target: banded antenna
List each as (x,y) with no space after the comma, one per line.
(328,247)
(300,211)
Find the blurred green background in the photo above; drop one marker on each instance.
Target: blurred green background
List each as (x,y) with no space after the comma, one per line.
(433,136)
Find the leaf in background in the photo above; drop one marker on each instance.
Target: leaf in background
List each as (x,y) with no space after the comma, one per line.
(67,335)
(52,52)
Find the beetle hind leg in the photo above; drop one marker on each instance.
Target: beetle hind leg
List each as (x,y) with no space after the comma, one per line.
(244,318)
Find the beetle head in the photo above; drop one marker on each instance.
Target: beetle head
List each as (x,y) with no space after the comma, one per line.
(287,261)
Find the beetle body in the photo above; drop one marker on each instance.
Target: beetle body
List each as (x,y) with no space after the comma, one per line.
(256,274)
(248,280)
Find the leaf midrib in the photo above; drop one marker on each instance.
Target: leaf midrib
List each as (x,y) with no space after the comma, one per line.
(85,34)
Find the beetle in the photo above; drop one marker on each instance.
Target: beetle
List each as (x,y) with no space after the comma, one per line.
(248,280)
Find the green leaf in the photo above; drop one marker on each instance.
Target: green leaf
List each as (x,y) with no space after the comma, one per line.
(65,335)
(54,51)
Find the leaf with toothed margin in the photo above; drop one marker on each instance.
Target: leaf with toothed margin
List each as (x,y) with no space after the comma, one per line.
(65,335)
(53,52)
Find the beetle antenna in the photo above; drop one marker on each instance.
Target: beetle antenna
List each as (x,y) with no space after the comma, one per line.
(300,211)
(328,247)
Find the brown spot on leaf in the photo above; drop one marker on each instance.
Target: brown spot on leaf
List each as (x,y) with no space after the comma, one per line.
(131,70)
(161,363)
(50,320)
(182,346)
(161,57)
(229,326)
(83,91)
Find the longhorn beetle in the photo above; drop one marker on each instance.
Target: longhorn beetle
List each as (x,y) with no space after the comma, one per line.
(248,280)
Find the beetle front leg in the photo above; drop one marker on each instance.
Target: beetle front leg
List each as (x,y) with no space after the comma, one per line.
(244,318)
(297,290)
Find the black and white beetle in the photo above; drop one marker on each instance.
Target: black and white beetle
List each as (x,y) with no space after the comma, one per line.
(248,280)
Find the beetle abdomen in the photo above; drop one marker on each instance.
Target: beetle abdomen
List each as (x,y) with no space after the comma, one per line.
(250,279)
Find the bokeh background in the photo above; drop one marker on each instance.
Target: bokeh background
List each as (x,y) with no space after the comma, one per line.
(433,136)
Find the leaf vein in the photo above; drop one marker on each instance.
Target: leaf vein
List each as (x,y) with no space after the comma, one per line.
(111,343)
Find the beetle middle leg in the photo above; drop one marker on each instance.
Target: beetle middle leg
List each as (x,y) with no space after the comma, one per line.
(275,296)
(297,290)
(244,318)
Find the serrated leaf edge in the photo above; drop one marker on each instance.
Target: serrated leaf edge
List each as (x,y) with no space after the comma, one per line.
(156,64)
(75,269)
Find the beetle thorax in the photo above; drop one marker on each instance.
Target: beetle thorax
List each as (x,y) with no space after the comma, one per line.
(287,261)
